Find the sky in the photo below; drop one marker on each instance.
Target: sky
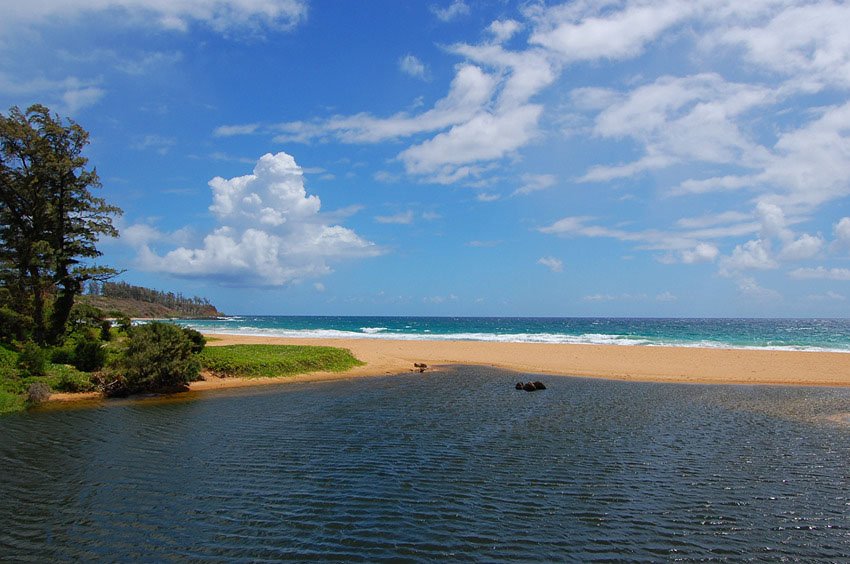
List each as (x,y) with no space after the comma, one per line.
(659,158)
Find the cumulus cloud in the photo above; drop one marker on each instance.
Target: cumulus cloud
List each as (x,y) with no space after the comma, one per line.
(220,15)
(702,252)
(269,233)
(503,30)
(552,263)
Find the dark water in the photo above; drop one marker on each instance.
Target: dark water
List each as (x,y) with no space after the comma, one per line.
(454,465)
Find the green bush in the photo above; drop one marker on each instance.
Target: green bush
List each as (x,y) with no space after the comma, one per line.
(62,355)
(158,358)
(67,379)
(33,359)
(198,340)
(105,330)
(89,355)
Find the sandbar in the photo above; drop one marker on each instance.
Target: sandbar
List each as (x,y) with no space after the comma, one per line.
(636,363)
(631,363)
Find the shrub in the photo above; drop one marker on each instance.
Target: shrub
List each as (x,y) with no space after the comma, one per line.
(105,330)
(89,355)
(63,355)
(158,358)
(37,392)
(70,380)
(33,359)
(198,340)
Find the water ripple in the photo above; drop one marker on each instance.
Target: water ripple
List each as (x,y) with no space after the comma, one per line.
(454,465)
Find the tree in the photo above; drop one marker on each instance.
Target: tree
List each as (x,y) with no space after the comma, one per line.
(49,220)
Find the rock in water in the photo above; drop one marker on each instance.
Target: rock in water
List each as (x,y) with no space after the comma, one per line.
(529,387)
(519,385)
(539,386)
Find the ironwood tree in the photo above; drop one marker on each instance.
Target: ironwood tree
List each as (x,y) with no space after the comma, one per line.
(50,222)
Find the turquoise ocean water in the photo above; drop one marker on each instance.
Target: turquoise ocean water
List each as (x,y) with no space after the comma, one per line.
(790,334)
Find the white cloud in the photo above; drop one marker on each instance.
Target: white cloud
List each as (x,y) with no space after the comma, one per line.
(412,66)
(231,130)
(587,31)
(67,96)
(535,183)
(702,252)
(808,42)
(666,297)
(690,119)
(220,15)
(750,289)
(401,218)
(156,143)
(469,91)
(552,263)
(503,30)
(820,272)
(752,255)
(842,234)
(451,12)
(505,132)
(270,232)
(487,197)
(805,247)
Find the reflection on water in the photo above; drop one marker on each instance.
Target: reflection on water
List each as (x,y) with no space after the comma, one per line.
(446,465)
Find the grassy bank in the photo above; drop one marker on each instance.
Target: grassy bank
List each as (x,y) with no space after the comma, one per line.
(14,383)
(257,361)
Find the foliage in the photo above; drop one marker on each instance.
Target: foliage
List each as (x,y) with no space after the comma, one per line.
(158,358)
(33,359)
(11,402)
(198,340)
(275,360)
(49,219)
(13,325)
(106,330)
(38,392)
(89,355)
(68,379)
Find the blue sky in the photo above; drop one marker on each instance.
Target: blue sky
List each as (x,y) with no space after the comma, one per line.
(634,158)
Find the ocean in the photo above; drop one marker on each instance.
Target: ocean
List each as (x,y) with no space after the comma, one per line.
(779,334)
(447,466)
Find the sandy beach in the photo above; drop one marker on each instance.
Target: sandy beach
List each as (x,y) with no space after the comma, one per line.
(651,364)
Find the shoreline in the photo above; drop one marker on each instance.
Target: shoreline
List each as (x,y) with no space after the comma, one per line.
(685,365)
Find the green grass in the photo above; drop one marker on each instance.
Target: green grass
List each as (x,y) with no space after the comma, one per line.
(13,384)
(256,361)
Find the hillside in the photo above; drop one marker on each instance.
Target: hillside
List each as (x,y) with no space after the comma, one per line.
(137,301)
